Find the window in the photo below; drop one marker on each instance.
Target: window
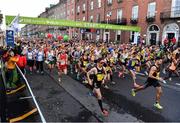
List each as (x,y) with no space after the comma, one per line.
(110,2)
(92,3)
(153,28)
(135,12)
(109,14)
(98,18)
(84,19)
(99,3)
(72,11)
(132,36)
(84,7)
(91,18)
(78,9)
(68,13)
(175,8)
(151,9)
(119,15)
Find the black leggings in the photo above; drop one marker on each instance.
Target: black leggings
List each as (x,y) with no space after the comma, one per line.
(39,65)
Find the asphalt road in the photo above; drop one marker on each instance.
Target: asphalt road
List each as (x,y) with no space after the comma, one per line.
(69,101)
(141,106)
(55,103)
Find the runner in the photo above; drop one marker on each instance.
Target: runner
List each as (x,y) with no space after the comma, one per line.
(153,80)
(100,74)
(30,59)
(51,59)
(133,62)
(40,60)
(83,62)
(62,61)
(172,67)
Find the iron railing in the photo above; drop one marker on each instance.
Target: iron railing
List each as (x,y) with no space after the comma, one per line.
(122,21)
(170,15)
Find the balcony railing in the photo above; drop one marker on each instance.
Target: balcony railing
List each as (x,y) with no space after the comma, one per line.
(134,20)
(150,19)
(119,1)
(170,15)
(122,21)
(109,3)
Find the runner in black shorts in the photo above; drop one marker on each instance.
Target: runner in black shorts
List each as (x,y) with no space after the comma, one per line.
(99,76)
(153,80)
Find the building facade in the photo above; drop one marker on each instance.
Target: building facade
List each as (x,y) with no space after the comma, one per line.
(158,19)
(90,11)
(71,16)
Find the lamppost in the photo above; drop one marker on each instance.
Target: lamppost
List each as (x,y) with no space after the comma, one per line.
(108,16)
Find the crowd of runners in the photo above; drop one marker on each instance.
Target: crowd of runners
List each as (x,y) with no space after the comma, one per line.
(94,64)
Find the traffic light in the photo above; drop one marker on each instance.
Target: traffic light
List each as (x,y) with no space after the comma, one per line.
(1,18)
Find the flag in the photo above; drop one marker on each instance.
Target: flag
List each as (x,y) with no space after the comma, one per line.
(15,24)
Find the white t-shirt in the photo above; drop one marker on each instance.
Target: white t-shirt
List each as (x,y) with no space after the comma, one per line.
(40,56)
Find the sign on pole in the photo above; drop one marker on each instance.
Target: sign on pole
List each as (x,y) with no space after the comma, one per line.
(10,38)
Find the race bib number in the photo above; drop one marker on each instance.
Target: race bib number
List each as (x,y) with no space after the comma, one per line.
(85,63)
(100,77)
(63,62)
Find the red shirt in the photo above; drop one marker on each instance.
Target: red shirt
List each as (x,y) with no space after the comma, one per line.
(22,61)
(63,58)
(173,40)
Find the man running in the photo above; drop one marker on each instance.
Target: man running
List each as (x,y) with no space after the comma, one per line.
(99,76)
(62,61)
(153,80)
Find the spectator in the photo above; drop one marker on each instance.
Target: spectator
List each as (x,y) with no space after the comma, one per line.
(22,62)
(10,66)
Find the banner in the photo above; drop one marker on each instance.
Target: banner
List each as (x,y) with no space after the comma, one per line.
(10,38)
(69,23)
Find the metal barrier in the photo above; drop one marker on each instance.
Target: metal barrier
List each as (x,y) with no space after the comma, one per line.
(3,96)
(33,97)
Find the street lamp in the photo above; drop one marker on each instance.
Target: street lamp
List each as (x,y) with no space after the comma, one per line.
(108,17)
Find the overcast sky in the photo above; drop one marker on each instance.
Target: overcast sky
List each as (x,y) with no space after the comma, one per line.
(31,8)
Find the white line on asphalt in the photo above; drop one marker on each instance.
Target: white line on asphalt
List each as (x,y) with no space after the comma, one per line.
(178,84)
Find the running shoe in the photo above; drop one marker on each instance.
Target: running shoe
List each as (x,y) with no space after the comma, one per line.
(164,81)
(164,71)
(146,73)
(106,87)
(90,93)
(158,106)
(105,112)
(113,82)
(77,77)
(42,72)
(133,93)
(59,79)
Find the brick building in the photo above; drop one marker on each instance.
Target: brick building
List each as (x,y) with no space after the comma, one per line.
(158,19)
(90,11)
(71,16)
